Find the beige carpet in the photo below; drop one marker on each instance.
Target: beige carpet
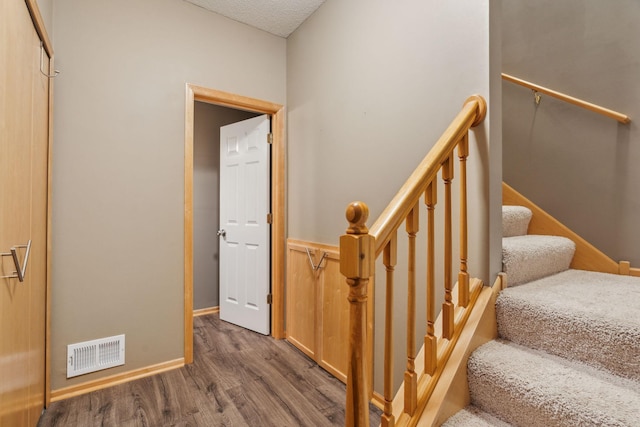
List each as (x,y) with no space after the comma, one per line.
(515,220)
(531,257)
(530,388)
(569,353)
(472,416)
(579,315)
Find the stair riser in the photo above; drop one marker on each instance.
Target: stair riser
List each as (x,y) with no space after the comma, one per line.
(508,405)
(528,388)
(515,220)
(472,416)
(528,258)
(589,341)
(514,407)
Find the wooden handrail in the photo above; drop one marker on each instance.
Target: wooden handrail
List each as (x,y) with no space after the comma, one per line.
(472,114)
(360,247)
(622,118)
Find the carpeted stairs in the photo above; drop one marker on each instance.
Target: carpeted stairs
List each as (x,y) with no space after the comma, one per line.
(568,352)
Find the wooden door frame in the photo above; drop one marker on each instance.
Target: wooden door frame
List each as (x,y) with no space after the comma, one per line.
(277,112)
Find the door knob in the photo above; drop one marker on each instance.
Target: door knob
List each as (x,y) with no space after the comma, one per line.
(222,233)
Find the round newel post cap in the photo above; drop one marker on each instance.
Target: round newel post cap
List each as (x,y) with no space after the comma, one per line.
(357,214)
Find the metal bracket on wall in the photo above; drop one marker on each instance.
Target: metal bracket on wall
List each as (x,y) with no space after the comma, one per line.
(314,266)
(536,97)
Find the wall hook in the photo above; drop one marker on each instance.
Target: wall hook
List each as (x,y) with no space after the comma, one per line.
(313,266)
(536,96)
(55,72)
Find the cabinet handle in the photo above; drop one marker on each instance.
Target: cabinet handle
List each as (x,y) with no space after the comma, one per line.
(20,270)
(315,267)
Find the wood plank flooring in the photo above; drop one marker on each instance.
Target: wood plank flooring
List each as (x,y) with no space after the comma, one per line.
(238,378)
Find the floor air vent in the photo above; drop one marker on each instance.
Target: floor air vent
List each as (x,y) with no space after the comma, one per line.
(95,355)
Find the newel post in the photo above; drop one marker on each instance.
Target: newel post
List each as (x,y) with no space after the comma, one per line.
(357,263)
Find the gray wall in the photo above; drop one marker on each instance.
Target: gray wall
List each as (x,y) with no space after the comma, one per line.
(361,80)
(580,167)
(118,163)
(206,193)
(370,88)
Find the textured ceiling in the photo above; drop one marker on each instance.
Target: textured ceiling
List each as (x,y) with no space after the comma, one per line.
(279,17)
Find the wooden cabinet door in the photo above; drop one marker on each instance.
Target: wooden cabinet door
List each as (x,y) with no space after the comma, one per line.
(334,330)
(301,301)
(317,307)
(24,124)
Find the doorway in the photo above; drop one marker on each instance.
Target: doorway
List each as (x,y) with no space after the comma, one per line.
(277,247)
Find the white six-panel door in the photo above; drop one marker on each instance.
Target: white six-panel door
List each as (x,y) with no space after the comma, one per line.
(244,231)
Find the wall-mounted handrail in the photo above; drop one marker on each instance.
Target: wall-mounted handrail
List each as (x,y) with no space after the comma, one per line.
(622,118)
(359,249)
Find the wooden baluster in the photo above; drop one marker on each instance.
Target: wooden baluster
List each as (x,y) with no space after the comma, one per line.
(357,263)
(463,275)
(389,259)
(447,306)
(430,340)
(410,376)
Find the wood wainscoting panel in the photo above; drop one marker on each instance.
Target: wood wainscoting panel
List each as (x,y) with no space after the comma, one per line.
(317,306)
(301,300)
(334,330)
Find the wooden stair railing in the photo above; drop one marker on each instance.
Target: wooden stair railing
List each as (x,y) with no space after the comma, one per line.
(359,249)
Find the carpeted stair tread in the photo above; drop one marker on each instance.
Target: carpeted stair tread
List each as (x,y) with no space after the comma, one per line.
(531,257)
(579,315)
(472,416)
(526,387)
(515,220)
